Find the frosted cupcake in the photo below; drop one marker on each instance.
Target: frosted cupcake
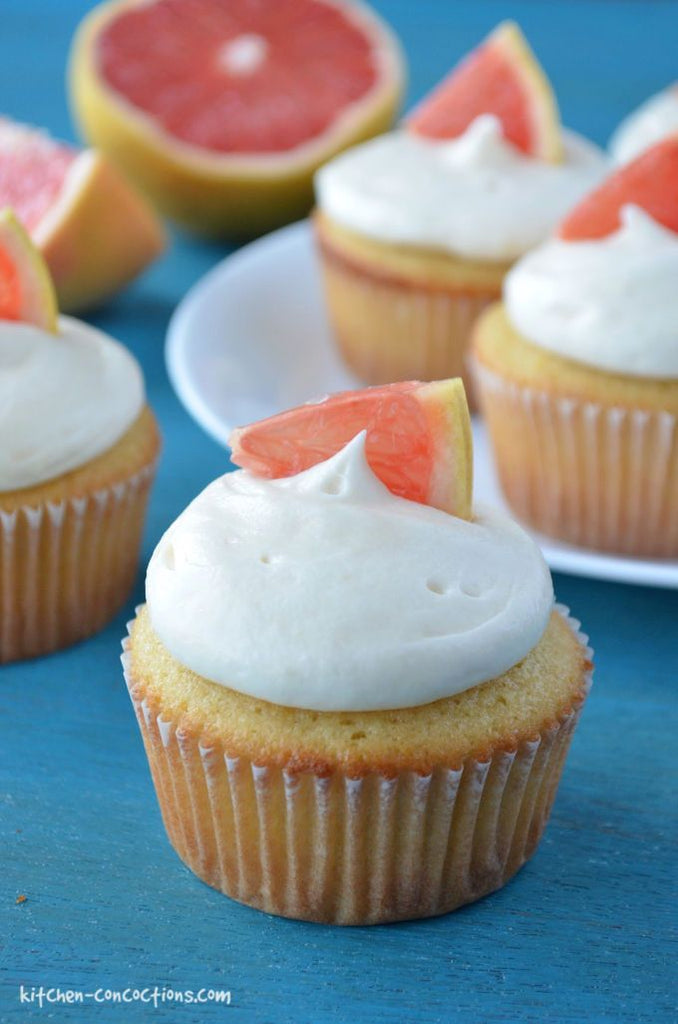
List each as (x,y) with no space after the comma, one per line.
(356,706)
(578,370)
(76,463)
(417,228)
(653,121)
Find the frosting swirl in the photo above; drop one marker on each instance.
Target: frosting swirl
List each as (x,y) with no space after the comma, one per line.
(653,121)
(476,196)
(611,303)
(326,591)
(64,399)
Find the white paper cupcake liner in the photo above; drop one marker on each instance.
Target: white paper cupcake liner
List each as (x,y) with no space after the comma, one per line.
(67,567)
(600,477)
(347,850)
(389,330)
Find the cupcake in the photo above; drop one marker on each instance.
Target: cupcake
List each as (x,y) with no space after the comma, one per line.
(417,229)
(653,121)
(577,370)
(356,706)
(76,463)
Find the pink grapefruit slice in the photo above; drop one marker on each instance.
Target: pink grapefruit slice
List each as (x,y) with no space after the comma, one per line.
(223,111)
(501,77)
(94,229)
(26,289)
(650,181)
(418,440)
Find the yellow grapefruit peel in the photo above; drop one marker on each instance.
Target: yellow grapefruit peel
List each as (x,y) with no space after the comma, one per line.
(216,194)
(27,292)
(446,406)
(545,114)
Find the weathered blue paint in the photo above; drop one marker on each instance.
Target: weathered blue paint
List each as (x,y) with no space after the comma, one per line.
(585,931)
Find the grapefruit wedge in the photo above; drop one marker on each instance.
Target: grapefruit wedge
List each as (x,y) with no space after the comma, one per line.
(94,229)
(501,77)
(650,181)
(26,289)
(418,440)
(223,111)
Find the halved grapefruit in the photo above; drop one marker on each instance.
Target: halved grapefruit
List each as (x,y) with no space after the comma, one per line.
(94,229)
(26,289)
(650,181)
(418,440)
(501,77)
(223,111)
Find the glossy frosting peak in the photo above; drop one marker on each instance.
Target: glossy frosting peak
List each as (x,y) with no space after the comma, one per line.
(326,591)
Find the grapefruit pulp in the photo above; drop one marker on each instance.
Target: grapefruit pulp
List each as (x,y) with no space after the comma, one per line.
(93,228)
(418,440)
(650,181)
(26,289)
(501,77)
(223,111)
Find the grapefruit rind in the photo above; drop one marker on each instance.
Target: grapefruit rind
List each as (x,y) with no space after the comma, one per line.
(95,229)
(294,440)
(99,235)
(509,44)
(451,484)
(36,299)
(650,182)
(238,196)
(548,144)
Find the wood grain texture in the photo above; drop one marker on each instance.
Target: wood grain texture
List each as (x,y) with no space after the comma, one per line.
(586,932)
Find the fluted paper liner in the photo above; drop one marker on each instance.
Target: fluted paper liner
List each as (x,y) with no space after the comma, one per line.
(345,850)
(597,476)
(388,330)
(67,567)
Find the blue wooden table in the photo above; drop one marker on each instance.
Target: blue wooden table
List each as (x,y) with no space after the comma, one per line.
(584,933)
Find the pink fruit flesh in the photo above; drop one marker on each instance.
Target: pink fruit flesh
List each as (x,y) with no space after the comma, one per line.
(650,181)
(240,77)
(485,82)
(400,445)
(10,289)
(32,171)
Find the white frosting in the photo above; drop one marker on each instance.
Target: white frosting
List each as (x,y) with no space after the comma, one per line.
(326,591)
(650,123)
(611,303)
(64,399)
(476,196)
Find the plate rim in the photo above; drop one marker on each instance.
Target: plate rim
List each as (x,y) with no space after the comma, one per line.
(175,339)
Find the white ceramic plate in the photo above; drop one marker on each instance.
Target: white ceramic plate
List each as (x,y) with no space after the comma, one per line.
(251,338)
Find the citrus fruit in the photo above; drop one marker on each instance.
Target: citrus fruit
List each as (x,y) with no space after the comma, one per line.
(418,440)
(223,111)
(500,77)
(26,289)
(94,229)
(650,181)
